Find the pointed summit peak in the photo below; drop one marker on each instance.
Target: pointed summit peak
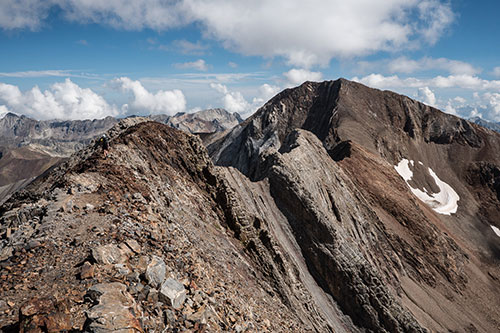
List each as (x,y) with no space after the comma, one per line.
(12,115)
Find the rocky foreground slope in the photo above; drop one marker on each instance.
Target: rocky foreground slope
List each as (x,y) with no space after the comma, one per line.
(335,208)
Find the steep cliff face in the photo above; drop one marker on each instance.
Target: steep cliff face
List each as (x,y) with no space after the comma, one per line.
(423,188)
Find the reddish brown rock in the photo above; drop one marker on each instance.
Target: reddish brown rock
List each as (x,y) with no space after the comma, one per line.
(44,315)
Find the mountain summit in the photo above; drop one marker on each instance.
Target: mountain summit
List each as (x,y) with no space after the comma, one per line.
(414,193)
(334,208)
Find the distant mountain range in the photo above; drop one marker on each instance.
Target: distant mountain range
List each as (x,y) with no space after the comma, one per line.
(488,124)
(29,147)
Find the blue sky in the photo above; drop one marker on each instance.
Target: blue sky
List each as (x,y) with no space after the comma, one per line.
(76,59)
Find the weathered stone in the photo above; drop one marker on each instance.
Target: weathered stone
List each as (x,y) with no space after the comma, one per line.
(152,296)
(115,309)
(173,293)
(87,271)
(109,254)
(44,315)
(5,253)
(139,197)
(33,244)
(170,317)
(133,245)
(155,272)
(122,269)
(3,305)
(198,317)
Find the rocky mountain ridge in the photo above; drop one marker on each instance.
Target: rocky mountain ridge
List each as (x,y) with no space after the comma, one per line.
(304,223)
(29,147)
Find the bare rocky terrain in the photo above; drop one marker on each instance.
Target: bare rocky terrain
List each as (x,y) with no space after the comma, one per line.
(310,216)
(29,147)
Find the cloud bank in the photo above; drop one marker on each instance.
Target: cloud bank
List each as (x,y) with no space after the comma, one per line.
(67,100)
(63,100)
(304,33)
(234,101)
(299,76)
(162,102)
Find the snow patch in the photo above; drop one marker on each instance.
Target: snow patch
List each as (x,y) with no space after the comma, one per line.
(443,202)
(403,170)
(495,230)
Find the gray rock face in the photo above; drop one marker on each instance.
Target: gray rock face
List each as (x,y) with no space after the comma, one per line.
(115,310)
(173,292)
(110,254)
(155,273)
(57,138)
(206,121)
(29,147)
(177,217)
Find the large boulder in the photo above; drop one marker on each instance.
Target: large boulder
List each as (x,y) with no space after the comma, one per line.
(114,311)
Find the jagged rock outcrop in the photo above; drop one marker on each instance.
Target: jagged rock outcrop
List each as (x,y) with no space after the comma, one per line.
(105,223)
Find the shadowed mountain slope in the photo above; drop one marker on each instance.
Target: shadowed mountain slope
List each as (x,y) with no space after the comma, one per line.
(431,237)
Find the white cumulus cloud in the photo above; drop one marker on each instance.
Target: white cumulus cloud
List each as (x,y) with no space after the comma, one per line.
(313,32)
(427,96)
(298,76)
(305,33)
(3,111)
(486,106)
(125,14)
(162,102)
(15,14)
(63,100)
(234,101)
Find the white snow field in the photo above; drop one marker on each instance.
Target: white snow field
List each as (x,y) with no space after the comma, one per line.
(444,202)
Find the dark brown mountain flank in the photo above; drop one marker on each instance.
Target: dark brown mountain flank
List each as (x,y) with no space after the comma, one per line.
(335,208)
(430,238)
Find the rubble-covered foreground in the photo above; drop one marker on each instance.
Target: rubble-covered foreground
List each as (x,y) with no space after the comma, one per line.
(134,242)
